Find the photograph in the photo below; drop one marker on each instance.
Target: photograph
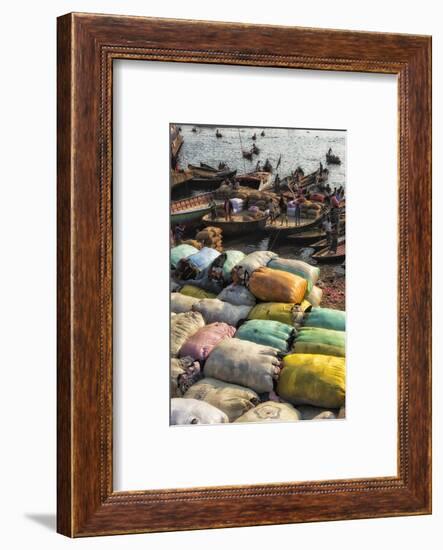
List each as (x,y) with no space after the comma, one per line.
(257,274)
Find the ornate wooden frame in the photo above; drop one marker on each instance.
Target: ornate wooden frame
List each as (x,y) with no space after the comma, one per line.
(87,45)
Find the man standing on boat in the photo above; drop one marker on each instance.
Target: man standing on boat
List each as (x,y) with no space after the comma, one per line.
(283,210)
(228,209)
(213,207)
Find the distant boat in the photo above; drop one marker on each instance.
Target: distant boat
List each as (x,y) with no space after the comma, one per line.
(262,133)
(218,134)
(332,159)
(326,256)
(240,224)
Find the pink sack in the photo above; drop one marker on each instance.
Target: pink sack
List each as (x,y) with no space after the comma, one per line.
(200,345)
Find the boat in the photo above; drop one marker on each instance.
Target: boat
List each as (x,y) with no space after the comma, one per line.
(262,133)
(247,155)
(191,210)
(332,159)
(322,243)
(279,231)
(178,177)
(218,134)
(267,166)
(325,256)
(241,223)
(176,141)
(207,172)
(257,180)
(308,237)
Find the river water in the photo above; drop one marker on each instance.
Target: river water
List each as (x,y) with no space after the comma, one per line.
(297,147)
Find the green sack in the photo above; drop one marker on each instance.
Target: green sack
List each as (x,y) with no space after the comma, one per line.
(267,333)
(318,349)
(324,317)
(321,336)
(317,380)
(273,311)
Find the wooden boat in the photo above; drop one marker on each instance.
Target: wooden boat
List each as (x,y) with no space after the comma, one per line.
(208,172)
(288,231)
(178,177)
(247,155)
(308,237)
(191,210)
(332,159)
(239,224)
(257,180)
(218,134)
(176,141)
(326,257)
(262,133)
(322,243)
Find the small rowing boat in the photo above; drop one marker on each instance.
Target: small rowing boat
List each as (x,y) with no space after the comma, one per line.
(190,211)
(325,256)
(323,243)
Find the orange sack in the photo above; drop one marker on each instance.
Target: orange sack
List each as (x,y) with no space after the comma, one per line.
(271,285)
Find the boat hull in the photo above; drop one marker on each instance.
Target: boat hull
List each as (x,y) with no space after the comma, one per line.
(322,257)
(235,228)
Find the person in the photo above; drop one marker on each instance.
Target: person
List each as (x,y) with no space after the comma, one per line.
(283,210)
(297,212)
(334,240)
(272,212)
(277,183)
(254,137)
(228,209)
(213,207)
(335,210)
(321,168)
(330,151)
(327,227)
(178,233)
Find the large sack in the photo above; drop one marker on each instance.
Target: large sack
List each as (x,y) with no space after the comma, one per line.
(244,363)
(268,333)
(238,295)
(243,270)
(180,303)
(223,265)
(308,412)
(232,399)
(315,295)
(326,318)
(192,266)
(208,233)
(313,380)
(297,267)
(184,373)
(322,336)
(192,411)
(215,311)
(181,252)
(274,311)
(196,292)
(270,411)
(271,285)
(200,345)
(183,326)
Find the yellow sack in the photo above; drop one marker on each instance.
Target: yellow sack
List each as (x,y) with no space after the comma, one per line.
(273,311)
(272,285)
(317,380)
(196,292)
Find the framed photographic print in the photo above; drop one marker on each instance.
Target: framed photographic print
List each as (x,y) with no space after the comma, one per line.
(244,290)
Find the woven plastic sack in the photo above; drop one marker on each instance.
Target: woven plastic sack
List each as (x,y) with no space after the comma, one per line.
(244,363)
(196,292)
(270,411)
(237,295)
(184,373)
(273,311)
(323,317)
(200,260)
(314,296)
(271,285)
(313,380)
(183,326)
(321,336)
(267,333)
(227,261)
(192,411)
(232,399)
(200,345)
(297,267)
(180,303)
(243,270)
(181,252)
(308,412)
(215,310)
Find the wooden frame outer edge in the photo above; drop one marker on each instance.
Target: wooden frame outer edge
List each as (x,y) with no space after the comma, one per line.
(88,506)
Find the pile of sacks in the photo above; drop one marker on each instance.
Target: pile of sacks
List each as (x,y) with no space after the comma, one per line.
(258,350)
(211,237)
